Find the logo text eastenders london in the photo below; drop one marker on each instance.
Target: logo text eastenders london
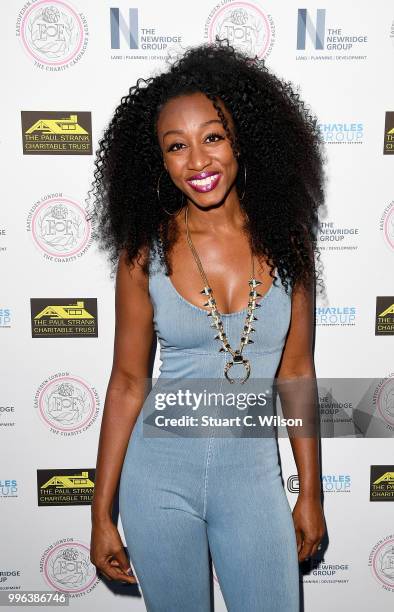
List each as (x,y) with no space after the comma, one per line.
(244,24)
(53,33)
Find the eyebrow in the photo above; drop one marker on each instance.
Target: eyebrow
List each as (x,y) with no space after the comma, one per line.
(201,125)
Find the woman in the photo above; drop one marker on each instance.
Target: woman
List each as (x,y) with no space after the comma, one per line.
(209,177)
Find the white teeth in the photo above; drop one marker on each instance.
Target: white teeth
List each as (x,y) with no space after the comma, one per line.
(205,181)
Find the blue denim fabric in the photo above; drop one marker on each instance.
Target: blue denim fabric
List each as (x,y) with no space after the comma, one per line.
(186,500)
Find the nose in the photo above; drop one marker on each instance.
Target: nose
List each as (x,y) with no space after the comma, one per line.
(198,158)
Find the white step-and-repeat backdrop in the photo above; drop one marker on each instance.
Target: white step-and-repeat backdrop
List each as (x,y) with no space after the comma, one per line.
(65,66)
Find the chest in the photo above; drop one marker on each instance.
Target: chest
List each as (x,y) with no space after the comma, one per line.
(184,326)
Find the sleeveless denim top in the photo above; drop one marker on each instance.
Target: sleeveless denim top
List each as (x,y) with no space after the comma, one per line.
(187,345)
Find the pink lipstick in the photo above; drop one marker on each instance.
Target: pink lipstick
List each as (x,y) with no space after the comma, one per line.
(204,181)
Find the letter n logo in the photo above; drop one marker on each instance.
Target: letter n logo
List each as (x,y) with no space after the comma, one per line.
(315,31)
(119,26)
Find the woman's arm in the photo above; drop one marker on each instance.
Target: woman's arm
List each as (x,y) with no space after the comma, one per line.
(125,392)
(126,388)
(299,397)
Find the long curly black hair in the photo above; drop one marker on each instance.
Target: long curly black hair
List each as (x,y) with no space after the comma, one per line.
(276,135)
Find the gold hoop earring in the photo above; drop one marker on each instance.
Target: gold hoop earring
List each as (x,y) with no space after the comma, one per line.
(243,194)
(170,214)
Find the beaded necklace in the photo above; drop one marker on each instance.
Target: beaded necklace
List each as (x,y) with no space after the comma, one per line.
(237,357)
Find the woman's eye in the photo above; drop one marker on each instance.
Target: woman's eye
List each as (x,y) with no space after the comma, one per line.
(214,137)
(174,146)
(177,146)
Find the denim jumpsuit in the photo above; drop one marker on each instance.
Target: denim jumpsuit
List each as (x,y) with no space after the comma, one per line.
(187,501)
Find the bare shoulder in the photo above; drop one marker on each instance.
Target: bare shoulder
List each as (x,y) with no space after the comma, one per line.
(133,268)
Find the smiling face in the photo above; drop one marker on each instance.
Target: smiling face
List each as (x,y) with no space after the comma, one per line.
(197,152)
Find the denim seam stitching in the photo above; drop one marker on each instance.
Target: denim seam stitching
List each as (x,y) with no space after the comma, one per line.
(206,477)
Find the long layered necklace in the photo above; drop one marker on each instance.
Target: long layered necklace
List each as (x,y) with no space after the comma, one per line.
(237,357)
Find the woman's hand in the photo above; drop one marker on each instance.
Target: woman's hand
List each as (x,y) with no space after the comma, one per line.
(107,552)
(309,525)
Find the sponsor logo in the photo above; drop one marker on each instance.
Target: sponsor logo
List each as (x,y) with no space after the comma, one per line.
(65,487)
(244,24)
(386,225)
(7,576)
(56,132)
(59,228)
(64,317)
(337,238)
(3,236)
(136,39)
(8,488)
(388,146)
(381,562)
(328,39)
(382,483)
(6,412)
(335,412)
(384,321)
(342,133)
(329,316)
(53,33)
(332,483)
(383,402)
(320,571)
(5,317)
(67,404)
(66,567)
